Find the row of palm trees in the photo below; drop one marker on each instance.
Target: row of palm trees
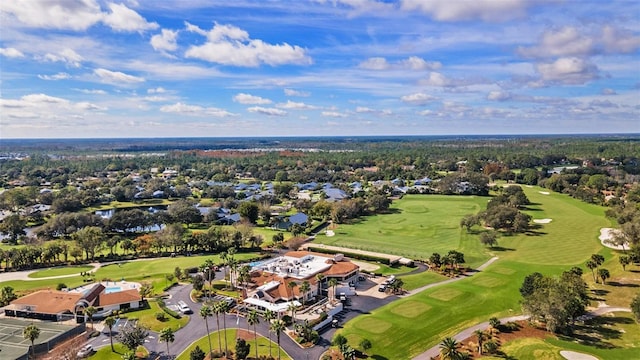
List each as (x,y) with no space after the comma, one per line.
(221,307)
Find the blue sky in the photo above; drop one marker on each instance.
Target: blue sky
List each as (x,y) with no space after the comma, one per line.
(207,68)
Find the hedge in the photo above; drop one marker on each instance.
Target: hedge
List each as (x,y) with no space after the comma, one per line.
(365,257)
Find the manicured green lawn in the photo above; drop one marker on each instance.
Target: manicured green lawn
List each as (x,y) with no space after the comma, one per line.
(263,345)
(105,353)
(417,226)
(613,336)
(421,321)
(57,271)
(147,317)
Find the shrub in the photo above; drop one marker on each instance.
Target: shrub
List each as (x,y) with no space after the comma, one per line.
(61,286)
(164,308)
(161,316)
(197,354)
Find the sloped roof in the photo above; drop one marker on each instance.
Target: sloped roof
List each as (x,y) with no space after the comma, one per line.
(120,297)
(48,301)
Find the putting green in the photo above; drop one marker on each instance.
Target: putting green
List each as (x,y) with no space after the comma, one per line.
(372,325)
(502,270)
(411,309)
(445,294)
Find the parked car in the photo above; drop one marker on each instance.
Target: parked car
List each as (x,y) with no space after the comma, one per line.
(382,288)
(184,308)
(85,351)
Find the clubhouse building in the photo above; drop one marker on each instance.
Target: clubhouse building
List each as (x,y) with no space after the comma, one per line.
(270,289)
(55,305)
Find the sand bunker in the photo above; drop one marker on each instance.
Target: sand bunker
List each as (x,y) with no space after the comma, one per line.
(607,234)
(541,221)
(572,355)
(544,192)
(330,233)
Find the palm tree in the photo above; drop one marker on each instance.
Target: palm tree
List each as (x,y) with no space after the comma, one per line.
(224,307)
(109,322)
(292,307)
(292,285)
(320,277)
(304,288)
(449,349)
(277,327)
(604,275)
(269,315)
(254,319)
(217,309)
(333,282)
(205,312)
(207,269)
(167,335)
(89,312)
(480,336)
(592,265)
(31,333)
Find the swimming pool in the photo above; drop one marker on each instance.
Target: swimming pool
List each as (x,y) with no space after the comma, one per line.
(112,289)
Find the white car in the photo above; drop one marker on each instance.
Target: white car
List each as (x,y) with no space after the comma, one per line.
(184,308)
(85,351)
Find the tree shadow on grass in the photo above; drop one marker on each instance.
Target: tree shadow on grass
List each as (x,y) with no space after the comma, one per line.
(615,283)
(378,357)
(599,331)
(502,248)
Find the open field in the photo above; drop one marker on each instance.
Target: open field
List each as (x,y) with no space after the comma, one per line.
(59,271)
(566,241)
(147,318)
(417,226)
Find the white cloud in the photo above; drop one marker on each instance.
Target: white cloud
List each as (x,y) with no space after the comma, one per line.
(230,45)
(436,79)
(195,110)
(412,63)
(608,91)
(58,76)
(165,41)
(361,6)
(566,41)
(334,114)
(499,96)
(92,91)
(364,109)
(295,105)
(11,52)
(418,99)
(292,92)
(121,18)
(569,70)
(56,14)
(194,29)
(267,111)
(619,41)
(249,99)
(487,10)
(158,90)
(416,63)
(67,56)
(375,63)
(42,107)
(117,77)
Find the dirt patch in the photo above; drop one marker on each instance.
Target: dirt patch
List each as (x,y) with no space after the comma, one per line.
(246,335)
(525,330)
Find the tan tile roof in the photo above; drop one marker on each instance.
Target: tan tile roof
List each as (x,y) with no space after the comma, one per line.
(115,298)
(341,268)
(48,301)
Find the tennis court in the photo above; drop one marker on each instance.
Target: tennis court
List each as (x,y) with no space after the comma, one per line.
(13,344)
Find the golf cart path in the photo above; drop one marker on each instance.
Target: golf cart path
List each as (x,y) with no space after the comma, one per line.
(468,332)
(457,278)
(24,275)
